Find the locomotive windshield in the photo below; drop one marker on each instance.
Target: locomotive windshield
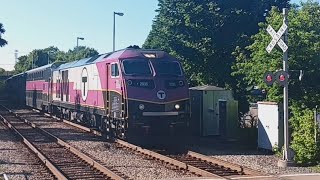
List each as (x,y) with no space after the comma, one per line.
(137,67)
(167,68)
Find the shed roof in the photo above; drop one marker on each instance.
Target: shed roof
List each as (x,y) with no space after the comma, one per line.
(207,88)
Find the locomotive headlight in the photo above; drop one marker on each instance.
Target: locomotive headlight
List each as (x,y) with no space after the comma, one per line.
(141,107)
(177,106)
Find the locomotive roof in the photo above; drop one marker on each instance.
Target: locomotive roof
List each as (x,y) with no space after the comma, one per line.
(82,62)
(121,54)
(16,75)
(52,65)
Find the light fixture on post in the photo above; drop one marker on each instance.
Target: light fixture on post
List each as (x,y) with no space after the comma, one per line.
(81,38)
(114,27)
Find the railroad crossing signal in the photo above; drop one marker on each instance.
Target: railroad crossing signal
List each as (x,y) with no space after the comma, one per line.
(276,38)
(282,77)
(269,78)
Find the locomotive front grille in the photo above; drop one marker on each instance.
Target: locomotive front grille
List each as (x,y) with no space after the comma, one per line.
(160,113)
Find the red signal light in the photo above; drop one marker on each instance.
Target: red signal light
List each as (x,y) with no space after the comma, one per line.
(282,77)
(269,78)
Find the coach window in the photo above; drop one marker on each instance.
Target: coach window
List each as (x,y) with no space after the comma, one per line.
(114,70)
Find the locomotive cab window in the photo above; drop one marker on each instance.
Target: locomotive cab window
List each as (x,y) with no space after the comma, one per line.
(169,68)
(114,70)
(137,67)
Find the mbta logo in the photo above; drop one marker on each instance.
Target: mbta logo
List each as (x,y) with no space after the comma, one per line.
(280,76)
(161,94)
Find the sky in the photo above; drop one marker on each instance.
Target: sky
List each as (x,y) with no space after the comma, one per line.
(38,24)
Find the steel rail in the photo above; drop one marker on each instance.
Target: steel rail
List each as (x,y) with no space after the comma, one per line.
(245,170)
(81,155)
(45,161)
(155,155)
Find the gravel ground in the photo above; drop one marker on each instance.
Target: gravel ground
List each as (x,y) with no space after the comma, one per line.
(258,160)
(130,164)
(16,161)
(138,167)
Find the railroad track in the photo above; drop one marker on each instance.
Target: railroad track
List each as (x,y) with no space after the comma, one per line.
(64,161)
(196,163)
(35,169)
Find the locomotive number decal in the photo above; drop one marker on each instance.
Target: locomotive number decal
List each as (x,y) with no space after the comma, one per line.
(161,94)
(84,84)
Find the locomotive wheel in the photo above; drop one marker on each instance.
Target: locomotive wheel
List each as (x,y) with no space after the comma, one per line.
(108,128)
(93,122)
(69,115)
(121,129)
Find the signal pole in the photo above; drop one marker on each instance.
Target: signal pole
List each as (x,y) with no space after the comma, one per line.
(287,157)
(285,89)
(281,38)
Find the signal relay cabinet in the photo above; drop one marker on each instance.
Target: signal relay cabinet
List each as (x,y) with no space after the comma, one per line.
(270,126)
(213,111)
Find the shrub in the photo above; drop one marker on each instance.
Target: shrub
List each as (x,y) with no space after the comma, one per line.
(304,145)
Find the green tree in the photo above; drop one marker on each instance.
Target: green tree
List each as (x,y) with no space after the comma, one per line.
(2,31)
(79,52)
(41,57)
(204,34)
(2,70)
(21,65)
(304,46)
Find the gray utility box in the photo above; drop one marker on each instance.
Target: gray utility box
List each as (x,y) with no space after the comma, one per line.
(213,111)
(270,125)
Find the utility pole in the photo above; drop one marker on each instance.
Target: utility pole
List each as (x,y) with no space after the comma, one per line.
(48,57)
(16,56)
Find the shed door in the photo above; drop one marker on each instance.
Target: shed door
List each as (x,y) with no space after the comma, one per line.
(210,122)
(222,116)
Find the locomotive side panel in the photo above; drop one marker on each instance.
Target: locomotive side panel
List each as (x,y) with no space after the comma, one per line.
(112,85)
(78,87)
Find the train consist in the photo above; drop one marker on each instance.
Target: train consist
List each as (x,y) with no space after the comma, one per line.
(130,91)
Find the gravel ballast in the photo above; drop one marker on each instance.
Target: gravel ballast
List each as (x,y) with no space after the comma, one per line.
(262,161)
(134,166)
(16,160)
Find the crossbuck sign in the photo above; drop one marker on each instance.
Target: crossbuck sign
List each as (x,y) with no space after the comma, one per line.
(276,38)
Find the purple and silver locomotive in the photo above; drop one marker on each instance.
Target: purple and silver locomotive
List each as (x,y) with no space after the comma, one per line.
(127,91)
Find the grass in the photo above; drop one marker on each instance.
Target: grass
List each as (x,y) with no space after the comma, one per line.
(316,168)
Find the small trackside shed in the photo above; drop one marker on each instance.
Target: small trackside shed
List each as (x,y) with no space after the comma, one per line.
(213,111)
